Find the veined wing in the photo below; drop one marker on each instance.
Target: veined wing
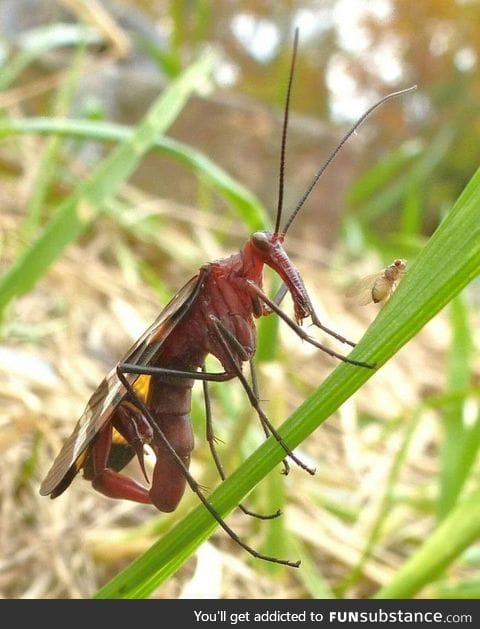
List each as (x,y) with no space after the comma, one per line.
(361,292)
(111,392)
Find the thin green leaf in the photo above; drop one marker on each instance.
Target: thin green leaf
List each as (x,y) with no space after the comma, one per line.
(459,529)
(80,208)
(384,507)
(37,41)
(243,201)
(48,161)
(460,441)
(392,194)
(387,169)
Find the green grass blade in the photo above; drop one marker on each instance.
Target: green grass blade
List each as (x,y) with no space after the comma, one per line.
(459,529)
(35,42)
(80,208)
(449,261)
(48,161)
(466,589)
(386,504)
(391,195)
(247,206)
(460,441)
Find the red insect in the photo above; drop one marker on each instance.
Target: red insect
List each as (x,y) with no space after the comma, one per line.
(145,399)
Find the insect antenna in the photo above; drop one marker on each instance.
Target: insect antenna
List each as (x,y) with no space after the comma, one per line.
(334,153)
(281,177)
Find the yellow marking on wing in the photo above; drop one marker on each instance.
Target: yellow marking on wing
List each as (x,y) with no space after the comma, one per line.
(117,438)
(80,461)
(142,387)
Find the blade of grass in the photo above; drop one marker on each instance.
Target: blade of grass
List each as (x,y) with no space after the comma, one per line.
(459,529)
(79,209)
(449,261)
(388,169)
(311,574)
(48,161)
(248,207)
(384,507)
(412,211)
(391,195)
(37,41)
(460,441)
(466,588)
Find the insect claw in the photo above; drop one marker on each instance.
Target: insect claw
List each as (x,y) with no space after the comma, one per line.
(366,365)
(140,452)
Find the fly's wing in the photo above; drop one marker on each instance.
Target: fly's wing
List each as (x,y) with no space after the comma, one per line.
(361,292)
(111,392)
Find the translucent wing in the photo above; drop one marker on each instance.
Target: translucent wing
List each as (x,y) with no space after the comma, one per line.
(111,392)
(361,292)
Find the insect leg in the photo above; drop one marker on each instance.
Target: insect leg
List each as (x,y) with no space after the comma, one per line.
(256,392)
(280,294)
(205,377)
(277,300)
(225,337)
(317,324)
(194,486)
(145,370)
(107,481)
(210,437)
(300,331)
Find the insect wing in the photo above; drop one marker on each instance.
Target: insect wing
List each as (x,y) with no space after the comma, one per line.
(111,392)
(361,292)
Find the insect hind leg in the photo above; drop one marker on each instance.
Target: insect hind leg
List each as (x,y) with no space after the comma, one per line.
(210,437)
(107,481)
(194,486)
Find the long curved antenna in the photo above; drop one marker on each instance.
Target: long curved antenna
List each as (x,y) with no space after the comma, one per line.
(281,177)
(337,149)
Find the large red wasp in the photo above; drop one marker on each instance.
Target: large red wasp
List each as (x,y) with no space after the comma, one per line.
(145,399)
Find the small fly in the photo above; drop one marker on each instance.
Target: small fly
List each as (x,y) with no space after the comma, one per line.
(378,287)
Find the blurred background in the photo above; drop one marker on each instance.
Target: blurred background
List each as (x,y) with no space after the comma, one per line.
(388,464)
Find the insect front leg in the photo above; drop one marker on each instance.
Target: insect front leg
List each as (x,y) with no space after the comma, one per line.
(256,291)
(277,300)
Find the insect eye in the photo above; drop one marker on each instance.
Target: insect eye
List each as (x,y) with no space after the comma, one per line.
(261,241)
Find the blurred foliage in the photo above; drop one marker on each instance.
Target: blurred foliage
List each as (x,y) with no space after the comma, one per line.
(370,46)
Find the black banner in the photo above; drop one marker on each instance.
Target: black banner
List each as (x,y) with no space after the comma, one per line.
(210,614)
